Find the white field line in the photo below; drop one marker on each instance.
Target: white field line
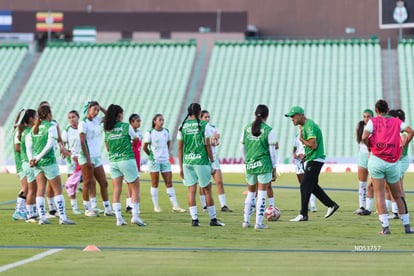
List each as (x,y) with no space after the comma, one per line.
(31,259)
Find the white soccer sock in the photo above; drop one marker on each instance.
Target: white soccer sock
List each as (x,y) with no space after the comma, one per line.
(248,206)
(362,193)
(21,205)
(384,220)
(203,200)
(40,204)
(60,203)
(369,203)
(51,203)
(260,206)
(271,201)
(107,205)
(135,210)
(172,197)
(405,218)
(154,196)
(312,200)
(31,211)
(94,203)
(222,199)
(193,212)
(253,206)
(74,204)
(117,209)
(129,202)
(87,205)
(394,207)
(211,211)
(388,204)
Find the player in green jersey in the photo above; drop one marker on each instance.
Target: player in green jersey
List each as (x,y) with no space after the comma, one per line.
(118,137)
(23,121)
(24,129)
(40,151)
(311,137)
(258,149)
(195,158)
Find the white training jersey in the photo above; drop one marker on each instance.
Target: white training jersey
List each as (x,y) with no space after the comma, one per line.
(70,136)
(300,149)
(363,148)
(92,129)
(213,148)
(158,142)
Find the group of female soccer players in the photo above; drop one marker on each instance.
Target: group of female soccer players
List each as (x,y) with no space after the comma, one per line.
(38,141)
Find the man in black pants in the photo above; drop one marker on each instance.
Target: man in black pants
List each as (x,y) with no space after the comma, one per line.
(311,137)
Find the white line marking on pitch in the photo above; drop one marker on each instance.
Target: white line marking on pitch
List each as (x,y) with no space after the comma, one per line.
(31,259)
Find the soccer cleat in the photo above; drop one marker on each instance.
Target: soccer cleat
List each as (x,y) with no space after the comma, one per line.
(393,216)
(331,210)
(77,212)
(109,213)
(18,216)
(51,214)
(245,224)
(205,209)
(121,222)
(385,231)
(98,211)
(91,213)
(261,226)
(313,209)
(365,213)
(32,220)
(195,222)
(299,217)
(67,222)
(178,209)
(138,222)
(44,221)
(128,210)
(216,222)
(157,209)
(226,209)
(359,211)
(408,229)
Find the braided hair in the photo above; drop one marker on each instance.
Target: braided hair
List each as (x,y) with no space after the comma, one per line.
(193,109)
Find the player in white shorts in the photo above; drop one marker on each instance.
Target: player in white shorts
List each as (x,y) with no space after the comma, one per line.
(218,176)
(90,160)
(299,157)
(156,146)
(70,138)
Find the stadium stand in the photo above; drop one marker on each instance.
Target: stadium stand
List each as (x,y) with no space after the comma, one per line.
(334,80)
(11,57)
(145,78)
(406,67)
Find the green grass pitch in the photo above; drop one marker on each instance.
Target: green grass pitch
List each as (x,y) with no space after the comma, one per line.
(341,245)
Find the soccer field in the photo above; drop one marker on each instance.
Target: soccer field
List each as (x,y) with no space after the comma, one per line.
(343,244)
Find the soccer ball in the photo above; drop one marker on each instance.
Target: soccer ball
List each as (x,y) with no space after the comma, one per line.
(272,214)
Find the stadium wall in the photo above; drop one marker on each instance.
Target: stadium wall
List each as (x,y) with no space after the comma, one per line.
(272,17)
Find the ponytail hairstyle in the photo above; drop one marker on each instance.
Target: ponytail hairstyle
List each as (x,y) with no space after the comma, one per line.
(203,112)
(43,111)
(133,117)
(360,130)
(261,114)
(89,105)
(401,114)
(111,117)
(155,118)
(193,109)
(23,119)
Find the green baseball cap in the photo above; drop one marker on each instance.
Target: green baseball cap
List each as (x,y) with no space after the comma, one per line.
(295,110)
